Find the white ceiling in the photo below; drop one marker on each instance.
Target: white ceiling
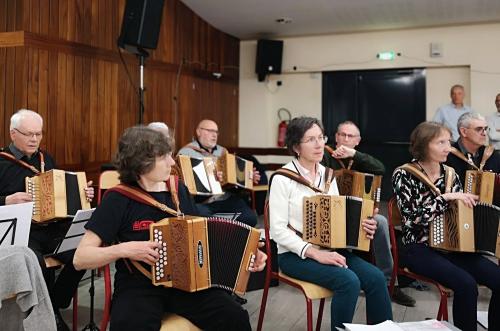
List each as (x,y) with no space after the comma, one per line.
(253,19)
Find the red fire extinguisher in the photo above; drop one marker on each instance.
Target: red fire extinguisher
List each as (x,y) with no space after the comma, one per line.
(283,126)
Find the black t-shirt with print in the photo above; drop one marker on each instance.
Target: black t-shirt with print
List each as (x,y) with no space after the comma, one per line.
(121,219)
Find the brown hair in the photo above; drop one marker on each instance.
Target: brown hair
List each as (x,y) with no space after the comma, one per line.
(137,151)
(296,130)
(422,135)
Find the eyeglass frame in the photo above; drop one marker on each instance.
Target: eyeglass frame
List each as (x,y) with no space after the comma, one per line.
(319,139)
(37,135)
(480,129)
(347,135)
(210,130)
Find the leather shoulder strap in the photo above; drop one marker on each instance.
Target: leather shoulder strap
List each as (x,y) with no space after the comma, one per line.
(461,156)
(449,177)
(411,168)
(11,157)
(142,197)
(173,187)
(294,176)
(488,152)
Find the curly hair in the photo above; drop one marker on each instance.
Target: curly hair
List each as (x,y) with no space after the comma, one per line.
(138,149)
(296,130)
(422,135)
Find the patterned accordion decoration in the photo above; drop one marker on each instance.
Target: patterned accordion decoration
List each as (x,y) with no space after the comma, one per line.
(486,184)
(198,253)
(335,221)
(57,194)
(358,184)
(235,171)
(199,175)
(467,229)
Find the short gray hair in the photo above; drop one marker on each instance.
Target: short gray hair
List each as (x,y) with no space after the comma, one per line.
(348,123)
(160,126)
(464,121)
(17,118)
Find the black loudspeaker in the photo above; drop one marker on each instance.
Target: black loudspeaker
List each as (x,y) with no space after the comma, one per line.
(268,61)
(141,24)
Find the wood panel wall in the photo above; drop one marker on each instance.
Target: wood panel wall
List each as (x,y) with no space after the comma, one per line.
(59,58)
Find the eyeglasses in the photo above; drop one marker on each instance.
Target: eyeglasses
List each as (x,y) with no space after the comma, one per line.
(347,135)
(211,130)
(36,135)
(480,129)
(313,140)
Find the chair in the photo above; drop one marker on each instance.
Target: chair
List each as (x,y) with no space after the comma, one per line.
(394,220)
(311,291)
(107,180)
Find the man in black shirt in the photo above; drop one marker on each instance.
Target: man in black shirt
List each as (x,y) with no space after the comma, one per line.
(469,151)
(23,158)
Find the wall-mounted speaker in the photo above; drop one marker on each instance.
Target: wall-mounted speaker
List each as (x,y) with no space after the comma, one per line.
(268,60)
(141,24)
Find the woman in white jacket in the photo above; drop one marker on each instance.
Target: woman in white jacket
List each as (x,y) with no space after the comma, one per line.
(339,270)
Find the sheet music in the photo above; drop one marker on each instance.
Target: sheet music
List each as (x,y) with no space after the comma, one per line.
(199,170)
(15,224)
(75,231)
(229,216)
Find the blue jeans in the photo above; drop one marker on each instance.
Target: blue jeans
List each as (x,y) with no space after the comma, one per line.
(346,284)
(382,247)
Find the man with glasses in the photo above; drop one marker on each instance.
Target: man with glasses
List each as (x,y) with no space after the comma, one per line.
(21,159)
(449,113)
(345,156)
(467,153)
(494,124)
(205,145)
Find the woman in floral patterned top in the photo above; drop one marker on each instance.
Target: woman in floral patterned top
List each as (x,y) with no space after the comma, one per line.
(419,206)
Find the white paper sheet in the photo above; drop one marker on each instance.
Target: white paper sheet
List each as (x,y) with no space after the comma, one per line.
(482,318)
(385,326)
(15,224)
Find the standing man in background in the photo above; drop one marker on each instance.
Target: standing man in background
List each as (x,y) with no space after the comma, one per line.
(448,114)
(494,125)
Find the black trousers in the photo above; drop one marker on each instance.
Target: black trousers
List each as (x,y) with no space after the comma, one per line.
(44,240)
(460,272)
(139,305)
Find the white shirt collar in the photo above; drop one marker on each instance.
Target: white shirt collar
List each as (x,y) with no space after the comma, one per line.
(307,173)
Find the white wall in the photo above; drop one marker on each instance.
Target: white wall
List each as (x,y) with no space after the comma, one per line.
(470,57)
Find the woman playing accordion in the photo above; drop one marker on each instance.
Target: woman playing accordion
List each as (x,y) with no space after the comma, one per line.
(420,206)
(144,162)
(340,271)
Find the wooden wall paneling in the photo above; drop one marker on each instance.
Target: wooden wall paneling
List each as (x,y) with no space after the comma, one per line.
(4,115)
(113,129)
(34,20)
(107,111)
(3,15)
(43,83)
(93,104)
(50,124)
(75,144)
(58,115)
(19,16)
(44,17)
(94,23)
(85,112)
(33,74)
(54,17)
(68,110)
(20,78)
(63,19)
(166,43)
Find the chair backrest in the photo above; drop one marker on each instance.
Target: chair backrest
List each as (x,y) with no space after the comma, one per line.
(107,180)
(268,239)
(394,217)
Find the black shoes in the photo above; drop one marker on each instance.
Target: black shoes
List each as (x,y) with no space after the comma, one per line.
(401,298)
(61,325)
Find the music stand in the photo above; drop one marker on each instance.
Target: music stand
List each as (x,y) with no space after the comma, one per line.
(15,223)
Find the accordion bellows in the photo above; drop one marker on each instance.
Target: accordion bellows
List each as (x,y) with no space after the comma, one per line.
(467,229)
(235,171)
(198,253)
(57,194)
(336,221)
(358,184)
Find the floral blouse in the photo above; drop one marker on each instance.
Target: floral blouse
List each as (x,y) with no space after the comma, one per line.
(418,204)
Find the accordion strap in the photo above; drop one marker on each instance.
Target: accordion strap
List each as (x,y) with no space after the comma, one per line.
(299,179)
(488,152)
(25,164)
(449,175)
(145,198)
(204,152)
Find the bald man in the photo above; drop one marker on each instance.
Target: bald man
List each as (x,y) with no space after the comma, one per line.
(205,145)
